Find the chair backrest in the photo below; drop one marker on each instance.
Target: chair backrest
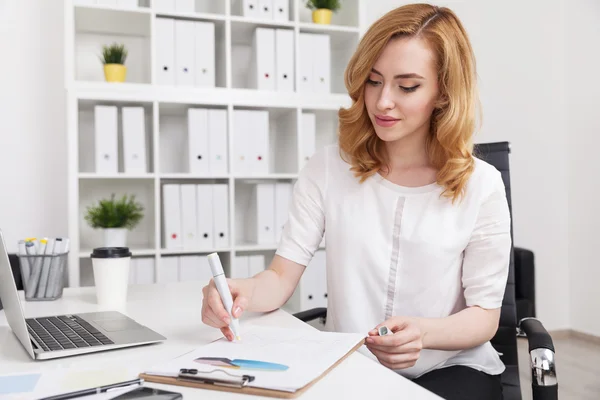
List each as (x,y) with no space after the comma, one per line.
(505,340)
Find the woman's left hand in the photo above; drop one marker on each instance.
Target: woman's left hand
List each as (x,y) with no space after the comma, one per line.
(402,348)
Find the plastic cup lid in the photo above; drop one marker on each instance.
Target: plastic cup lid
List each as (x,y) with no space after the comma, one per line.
(110,252)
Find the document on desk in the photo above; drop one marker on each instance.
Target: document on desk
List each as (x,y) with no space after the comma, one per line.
(278,358)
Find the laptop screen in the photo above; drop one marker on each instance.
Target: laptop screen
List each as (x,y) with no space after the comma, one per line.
(10,299)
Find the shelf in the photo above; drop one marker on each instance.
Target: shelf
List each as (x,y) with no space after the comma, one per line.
(91,175)
(242,28)
(320,28)
(191,16)
(112,20)
(85,253)
(256,247)
(191,176)
(171,252)
(269,176)
(135,10)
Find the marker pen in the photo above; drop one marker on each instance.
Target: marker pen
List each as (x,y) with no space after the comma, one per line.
(223,288)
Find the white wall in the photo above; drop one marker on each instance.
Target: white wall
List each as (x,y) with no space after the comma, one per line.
(520,65)
(583,133)
(33,148)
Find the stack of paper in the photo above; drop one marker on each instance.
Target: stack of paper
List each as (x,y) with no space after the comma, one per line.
(279,359)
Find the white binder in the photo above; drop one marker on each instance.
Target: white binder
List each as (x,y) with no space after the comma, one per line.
(265,9)
(165,49)
(239,269)
(204,272)
(189,268)
(189,226)
(198,147)
(305,63)
(283,197)
(313,283)
(184,6)
(321,63)
(260,219)
(145,270)
(256,264)
(132,271)
(309,131)
(205,54)
(204,215)
(259,143)
(184,52)
(172,216)
(281,10)
(169,270)
(246,8)
(220,215)
(262,66)
(217,141)
(127,3)
(164,5)
(242,127)
(106,139)
(284,56)
(134,140)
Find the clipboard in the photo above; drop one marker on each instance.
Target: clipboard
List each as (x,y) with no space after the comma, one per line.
(224,381)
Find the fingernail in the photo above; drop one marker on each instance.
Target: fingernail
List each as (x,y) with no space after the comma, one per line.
(226,319)
(237,311)
(370,340)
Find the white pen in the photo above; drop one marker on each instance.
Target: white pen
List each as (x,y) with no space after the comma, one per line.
(223,288)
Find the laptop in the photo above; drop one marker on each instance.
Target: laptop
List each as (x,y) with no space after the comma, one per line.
(70,334)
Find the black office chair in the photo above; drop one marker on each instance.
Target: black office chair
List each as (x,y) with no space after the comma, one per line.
(541,348)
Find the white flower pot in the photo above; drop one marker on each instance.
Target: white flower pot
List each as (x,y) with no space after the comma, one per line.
(115,237)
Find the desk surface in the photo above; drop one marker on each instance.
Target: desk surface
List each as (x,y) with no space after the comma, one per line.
(174,311)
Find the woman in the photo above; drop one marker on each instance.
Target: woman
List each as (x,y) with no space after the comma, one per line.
(417,228)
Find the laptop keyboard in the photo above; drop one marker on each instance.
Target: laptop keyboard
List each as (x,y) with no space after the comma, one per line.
(65,332)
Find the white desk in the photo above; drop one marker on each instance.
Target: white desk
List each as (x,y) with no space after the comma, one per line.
(174,311)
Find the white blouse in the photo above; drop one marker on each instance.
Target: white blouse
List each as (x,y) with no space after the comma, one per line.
(402,251)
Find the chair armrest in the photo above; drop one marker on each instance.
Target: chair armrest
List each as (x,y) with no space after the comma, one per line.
(311,314)
(541,351)
(525,277)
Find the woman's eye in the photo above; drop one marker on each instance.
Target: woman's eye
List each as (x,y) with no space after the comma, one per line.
(372,82)
(409,89)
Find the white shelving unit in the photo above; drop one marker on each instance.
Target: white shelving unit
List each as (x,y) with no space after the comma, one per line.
(89,26)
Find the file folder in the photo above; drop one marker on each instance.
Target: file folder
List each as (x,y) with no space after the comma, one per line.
(134,140)
(313,284)
(184,6)
(205,54)
(204,215)
(189,226)
(265,8)
(283,197)
(145,270)
(220,215)
(239,269)
(172,216)
(169,270)
(260,218)
(281,10)
(321,63)
(184,52)
(305,63)
(198,147)
(308,140)
(106,139)
(246,8)
(165,48)
(262,66)
(256,264)
(284,55)
(242,128)
(190,268)
(217,141)
(259,143)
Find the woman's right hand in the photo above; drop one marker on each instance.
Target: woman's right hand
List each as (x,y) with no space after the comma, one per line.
(213,311)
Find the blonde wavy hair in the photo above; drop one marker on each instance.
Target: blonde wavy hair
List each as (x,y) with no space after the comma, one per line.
(453,121)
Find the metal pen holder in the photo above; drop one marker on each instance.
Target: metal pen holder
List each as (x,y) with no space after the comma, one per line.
(43,276)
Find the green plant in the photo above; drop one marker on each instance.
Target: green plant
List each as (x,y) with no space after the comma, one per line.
(114,54)
(332,5)
(111,213)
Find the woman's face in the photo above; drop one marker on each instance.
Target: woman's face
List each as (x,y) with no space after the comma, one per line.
(402,89)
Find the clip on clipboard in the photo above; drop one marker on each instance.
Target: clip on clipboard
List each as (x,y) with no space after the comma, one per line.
(236,381)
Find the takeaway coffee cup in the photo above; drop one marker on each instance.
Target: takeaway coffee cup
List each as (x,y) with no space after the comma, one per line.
(111,275)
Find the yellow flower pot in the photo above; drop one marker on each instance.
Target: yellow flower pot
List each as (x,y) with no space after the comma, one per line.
(322,16)
(115,72)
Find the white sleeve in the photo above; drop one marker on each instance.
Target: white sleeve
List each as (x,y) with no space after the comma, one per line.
(487,256)
(303,231)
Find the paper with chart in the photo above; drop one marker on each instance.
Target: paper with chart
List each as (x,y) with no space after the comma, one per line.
(278,358)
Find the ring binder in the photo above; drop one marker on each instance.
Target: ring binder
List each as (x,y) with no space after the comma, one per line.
(236,381)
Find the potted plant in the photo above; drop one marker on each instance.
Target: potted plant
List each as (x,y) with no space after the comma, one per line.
(323,9)
(113,58)
(115,217)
